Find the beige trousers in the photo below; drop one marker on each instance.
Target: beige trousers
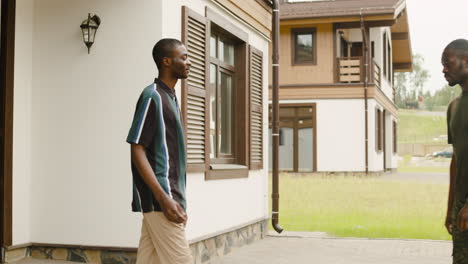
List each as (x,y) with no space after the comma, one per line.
(162,241)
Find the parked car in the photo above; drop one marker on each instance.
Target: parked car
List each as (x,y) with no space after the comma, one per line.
(444,153)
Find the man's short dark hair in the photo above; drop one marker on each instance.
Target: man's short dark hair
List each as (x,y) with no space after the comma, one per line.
(164,48)
(460,46)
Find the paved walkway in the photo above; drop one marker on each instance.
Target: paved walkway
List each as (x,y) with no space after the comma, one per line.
(317,249)
(423,177)
(43,261)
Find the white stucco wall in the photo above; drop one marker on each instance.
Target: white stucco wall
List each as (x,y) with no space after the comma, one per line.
(376,35)
(340,134)
(79,112)
(22,123)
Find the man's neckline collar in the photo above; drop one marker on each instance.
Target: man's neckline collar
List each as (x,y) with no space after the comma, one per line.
(164,86)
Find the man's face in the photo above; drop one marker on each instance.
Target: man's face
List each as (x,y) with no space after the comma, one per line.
(180,66)
(455,68)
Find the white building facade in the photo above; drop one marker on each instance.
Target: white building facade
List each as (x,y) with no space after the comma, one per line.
(337,111)
(71,183)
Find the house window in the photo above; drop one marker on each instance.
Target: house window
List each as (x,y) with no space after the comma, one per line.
(304,47)
(378,130)
(389,62)
(384,57)
(222,97)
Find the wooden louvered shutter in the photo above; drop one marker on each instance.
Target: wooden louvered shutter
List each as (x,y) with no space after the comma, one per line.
(195,98)
(256,109)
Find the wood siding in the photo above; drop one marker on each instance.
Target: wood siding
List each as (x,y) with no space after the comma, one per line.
(322,72)
(252,12)
(331,91)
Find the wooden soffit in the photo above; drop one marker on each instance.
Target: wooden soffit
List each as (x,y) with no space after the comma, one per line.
(253,12)
(401,44)
(334,91)
(353,21)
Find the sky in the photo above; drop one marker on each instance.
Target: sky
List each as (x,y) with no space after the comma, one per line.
(433,24)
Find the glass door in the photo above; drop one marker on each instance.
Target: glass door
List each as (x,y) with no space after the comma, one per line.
(297,139)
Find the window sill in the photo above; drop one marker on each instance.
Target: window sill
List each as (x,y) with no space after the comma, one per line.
(304,63)
(226,171)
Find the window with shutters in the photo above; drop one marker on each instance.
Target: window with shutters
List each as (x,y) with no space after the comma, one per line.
(222,99)
(378,130)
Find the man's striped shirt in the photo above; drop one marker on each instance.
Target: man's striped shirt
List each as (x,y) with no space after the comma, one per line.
(157,125)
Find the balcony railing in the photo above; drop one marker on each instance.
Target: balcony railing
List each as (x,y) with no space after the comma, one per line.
(350,70)
(376,76)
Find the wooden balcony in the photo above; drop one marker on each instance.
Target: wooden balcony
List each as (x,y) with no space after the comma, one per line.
(376,74)
(350,70)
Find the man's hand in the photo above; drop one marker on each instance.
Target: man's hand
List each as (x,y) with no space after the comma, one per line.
(173,211)
(448,224)
(462,218)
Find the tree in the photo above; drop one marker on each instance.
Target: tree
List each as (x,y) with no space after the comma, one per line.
(401,80)
(410,85)
(419,76)
(445,95)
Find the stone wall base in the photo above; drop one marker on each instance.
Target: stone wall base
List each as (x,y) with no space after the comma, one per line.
(204,251)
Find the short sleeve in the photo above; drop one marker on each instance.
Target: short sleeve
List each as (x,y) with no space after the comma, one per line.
(143,127)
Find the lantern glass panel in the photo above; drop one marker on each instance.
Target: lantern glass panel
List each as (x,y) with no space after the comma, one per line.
(92,34)
(85,34)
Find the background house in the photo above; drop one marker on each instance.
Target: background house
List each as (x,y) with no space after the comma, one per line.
(327,109)
(66,179)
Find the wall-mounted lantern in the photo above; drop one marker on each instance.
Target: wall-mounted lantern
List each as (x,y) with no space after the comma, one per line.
(89,27)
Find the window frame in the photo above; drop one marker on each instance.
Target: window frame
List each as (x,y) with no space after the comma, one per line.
(389,62)
(294,33)
(378,130)
(196,96)
(235,166)
(295,126)
(223,67)
(384,55)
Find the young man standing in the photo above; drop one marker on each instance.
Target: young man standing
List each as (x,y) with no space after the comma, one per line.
(158,161)
(455,69)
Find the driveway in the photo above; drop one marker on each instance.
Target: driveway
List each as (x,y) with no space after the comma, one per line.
(423,177)
(298,249)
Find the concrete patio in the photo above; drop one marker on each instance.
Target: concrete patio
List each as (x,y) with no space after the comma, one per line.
(317,248)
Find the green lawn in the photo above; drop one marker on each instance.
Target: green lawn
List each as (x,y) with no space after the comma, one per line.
(363,207)
(415,169)
(413,128)
(406,165)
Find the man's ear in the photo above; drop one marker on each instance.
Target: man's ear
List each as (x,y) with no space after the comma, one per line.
(166,61)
